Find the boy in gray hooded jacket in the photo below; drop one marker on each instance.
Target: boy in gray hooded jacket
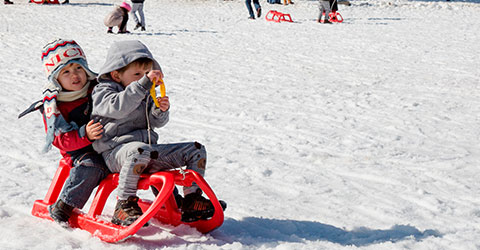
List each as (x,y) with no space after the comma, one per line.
(123,105)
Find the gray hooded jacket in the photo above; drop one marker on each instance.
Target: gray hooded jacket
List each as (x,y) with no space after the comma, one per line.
(123,110)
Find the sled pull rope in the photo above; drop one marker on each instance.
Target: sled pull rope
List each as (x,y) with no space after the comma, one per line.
(148,120)
(181,171)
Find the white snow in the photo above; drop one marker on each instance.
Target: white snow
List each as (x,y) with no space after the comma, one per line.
(361,135)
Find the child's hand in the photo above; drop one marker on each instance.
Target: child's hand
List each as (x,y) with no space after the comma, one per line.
(164,103)
(155,75)
(94,130)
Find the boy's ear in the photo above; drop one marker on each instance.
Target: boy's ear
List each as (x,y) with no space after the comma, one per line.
(115,75)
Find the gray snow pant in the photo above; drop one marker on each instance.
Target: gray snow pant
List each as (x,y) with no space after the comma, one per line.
(134,158)
(138,7)
(324,6)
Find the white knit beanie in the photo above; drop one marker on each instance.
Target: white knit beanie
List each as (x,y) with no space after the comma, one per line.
(58,54)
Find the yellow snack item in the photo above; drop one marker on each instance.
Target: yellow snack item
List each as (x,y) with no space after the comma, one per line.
(153,93)
(162,88)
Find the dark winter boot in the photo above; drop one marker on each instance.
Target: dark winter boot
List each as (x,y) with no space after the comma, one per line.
(7,2)
(127,211)
(178,197)
(137,26)
(143,28)
(60,212)
(196,207)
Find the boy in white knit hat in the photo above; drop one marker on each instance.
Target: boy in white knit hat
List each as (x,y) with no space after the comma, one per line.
(66,109)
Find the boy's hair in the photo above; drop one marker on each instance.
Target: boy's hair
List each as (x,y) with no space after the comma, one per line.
(142,62)
(122,53)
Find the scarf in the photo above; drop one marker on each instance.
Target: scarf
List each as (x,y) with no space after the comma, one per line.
(56,124)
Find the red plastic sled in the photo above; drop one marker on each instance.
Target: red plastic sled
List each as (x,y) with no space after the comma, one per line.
(164,208)
(45,1)
(335,17)
(275,16)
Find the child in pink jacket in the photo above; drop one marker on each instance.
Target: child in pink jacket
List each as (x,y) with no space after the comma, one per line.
(118,17)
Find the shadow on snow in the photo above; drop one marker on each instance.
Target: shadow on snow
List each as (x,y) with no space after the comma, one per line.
(255,231)
(451,1)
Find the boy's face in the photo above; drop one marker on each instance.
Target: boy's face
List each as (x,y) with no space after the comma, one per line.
(72,77)
(133,73)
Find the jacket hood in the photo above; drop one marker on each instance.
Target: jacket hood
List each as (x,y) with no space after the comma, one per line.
(122,53)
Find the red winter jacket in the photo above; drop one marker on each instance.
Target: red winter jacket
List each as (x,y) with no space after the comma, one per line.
(71,144)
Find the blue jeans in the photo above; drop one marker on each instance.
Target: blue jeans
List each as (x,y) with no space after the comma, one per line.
(87,172)
(249,7)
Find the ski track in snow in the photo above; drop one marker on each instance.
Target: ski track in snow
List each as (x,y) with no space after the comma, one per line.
(356,135)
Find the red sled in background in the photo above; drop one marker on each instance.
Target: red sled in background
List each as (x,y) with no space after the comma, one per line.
(163,208)
(335,17)
(44,1)
(276,16)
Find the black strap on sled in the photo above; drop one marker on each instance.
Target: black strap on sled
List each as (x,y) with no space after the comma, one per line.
(35,106)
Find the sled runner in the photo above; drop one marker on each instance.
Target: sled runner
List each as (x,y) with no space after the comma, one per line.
(163,208)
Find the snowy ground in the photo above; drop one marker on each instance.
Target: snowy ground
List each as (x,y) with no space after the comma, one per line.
(362,135)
